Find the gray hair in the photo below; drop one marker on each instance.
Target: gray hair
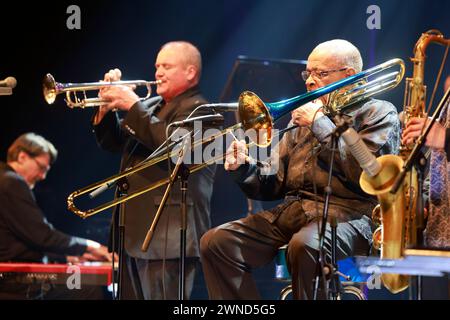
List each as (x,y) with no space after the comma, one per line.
(345,53)
(32,144)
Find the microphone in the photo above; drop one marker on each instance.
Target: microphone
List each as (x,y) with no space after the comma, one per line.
(7,85)
(122,184)
(233,106)
(210,118)
(362,154)
(101,189)
(9,82)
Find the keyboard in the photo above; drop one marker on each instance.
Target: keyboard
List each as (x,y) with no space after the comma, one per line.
(90,273)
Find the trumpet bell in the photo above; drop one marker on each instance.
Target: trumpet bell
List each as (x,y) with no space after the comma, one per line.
(49,88)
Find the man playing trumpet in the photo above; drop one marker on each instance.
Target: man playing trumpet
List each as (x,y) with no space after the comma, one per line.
(136,135)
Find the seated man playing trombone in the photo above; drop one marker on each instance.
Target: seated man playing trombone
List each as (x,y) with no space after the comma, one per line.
(231,251)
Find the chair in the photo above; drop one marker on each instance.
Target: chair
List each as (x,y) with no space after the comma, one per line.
(353,285)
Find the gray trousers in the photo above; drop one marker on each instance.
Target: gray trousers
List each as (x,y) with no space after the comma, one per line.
(157,280)
(231,251)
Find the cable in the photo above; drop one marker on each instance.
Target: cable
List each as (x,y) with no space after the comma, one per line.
(314,157)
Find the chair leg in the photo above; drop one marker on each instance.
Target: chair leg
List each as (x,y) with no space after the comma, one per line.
(285,292)
(354,288)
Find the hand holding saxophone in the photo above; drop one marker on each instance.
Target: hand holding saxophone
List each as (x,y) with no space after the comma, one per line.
(414,128)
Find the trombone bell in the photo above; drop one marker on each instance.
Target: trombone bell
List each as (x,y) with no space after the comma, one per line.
(254,114)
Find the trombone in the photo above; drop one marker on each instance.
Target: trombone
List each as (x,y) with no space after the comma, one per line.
(51,89)
(259,116)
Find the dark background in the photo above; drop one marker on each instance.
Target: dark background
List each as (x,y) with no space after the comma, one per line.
(35,41)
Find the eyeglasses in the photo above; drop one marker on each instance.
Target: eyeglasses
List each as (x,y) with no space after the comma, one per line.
(319,73)
(42,167)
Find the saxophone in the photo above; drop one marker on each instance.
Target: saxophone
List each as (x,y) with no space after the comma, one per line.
(396,213)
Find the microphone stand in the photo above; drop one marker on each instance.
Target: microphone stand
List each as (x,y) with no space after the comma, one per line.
(183,172)
(122,189)
(327,271)
(121,250)
(184,175)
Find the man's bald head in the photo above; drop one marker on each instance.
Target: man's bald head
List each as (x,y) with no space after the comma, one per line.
(342,52)
(191,55)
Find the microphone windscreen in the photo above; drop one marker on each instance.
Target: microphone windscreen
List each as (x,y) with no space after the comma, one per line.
(11,82)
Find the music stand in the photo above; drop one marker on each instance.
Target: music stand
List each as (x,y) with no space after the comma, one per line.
(271,80)
(416,262)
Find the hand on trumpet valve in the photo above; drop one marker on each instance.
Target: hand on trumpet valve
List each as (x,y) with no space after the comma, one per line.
(113,75)
(119,97)
(307,113)
(236,155)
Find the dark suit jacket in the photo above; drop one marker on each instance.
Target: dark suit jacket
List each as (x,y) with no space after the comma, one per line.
(25,235)
(137,135)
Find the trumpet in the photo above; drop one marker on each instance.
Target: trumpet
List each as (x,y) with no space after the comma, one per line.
(259,116)
(51,89)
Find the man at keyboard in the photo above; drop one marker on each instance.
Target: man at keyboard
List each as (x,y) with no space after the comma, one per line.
(25,235)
